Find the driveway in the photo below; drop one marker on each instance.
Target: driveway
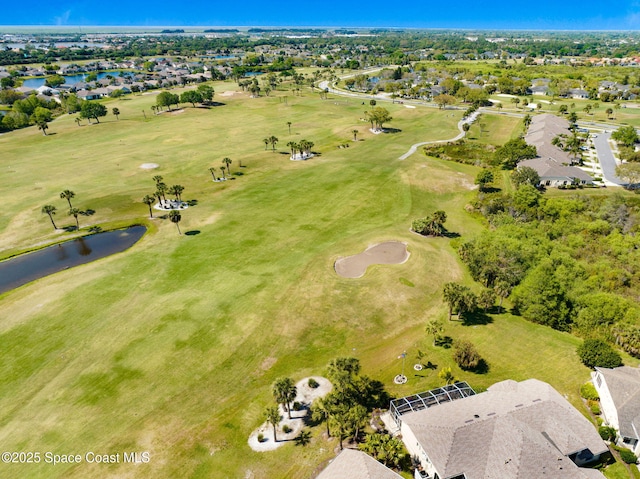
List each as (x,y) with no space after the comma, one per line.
(606,159)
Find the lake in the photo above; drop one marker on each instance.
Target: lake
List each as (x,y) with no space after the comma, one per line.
(23,269)
(70,79)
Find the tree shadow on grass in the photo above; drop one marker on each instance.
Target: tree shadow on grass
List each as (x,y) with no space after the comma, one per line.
(444,342)
(491,189)
(391,130)
(192,202)
(192,232)
(481,368)
(451,234)
(476,318)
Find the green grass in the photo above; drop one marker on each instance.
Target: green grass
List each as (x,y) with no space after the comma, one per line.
(171,347)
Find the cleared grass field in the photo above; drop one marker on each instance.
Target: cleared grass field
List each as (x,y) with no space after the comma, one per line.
(171,347)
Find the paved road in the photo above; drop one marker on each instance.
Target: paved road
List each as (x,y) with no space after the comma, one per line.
(606,159)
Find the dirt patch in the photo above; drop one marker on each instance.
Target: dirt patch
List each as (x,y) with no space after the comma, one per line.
(305,396)
(390,252)
(229,93)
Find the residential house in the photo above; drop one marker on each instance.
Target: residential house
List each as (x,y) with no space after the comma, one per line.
(552,163)
(88,95)
(356,465)
(514,430)
(619,391)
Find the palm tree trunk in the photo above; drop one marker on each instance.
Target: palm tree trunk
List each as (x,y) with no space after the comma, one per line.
(54,225)
(178,226)
(150,212)
(275,439)
(77,224)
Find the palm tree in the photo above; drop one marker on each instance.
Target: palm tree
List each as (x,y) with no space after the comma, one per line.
(372,103)
(176,190)
(50,210)
(320,412)
(293,145)
(77,120)
(609,112)
(272,415)
(162,189)
(223,175)
(434,328)
(149,200)
(67,195)
(266,143)
(75,212)
(289,125)
(116,113)
(211,170)
(158,179)
(227,161)
(175,217)
(273,140)
(284,392)
(43,125)
(355,135)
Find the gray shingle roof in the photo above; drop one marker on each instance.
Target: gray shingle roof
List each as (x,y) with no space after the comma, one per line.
(624,385)
(511,431)
(356,465)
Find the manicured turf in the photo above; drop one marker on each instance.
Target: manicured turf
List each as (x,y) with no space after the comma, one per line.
(171,347)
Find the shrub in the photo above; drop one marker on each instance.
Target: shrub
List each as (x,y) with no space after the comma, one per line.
(595,407)
(607,433)
(596,353)
(260,437)
(297,406)
(286,429)
(313,384)
(588,391)
(465,355)
(628,456)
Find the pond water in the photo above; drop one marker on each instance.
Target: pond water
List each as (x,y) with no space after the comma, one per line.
(25,268)
(70,79)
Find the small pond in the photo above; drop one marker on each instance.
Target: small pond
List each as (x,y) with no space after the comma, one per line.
(25,268)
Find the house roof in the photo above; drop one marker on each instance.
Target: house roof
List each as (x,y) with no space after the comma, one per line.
(551,169)
(511,431)
(356,465)
(624,386)
(551,160)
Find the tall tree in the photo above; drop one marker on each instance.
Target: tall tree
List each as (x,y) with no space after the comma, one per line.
(90,109)
(116,113)
(434,328)
(50,210)
(266,143)
(273,140)
(289,125)
(75,212)
(149,200)
(355,135)
(284,392)
(272,415)
(67,195)
(227,161)
(175,217)
(212,171)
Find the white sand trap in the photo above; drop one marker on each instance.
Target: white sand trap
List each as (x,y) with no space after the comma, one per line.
(149,166)
(390,252)
(305,396)
(409,106)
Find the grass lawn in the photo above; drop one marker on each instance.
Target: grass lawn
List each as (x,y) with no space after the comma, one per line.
(171,347)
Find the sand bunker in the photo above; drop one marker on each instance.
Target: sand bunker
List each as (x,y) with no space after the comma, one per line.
(390,252)
(149,166)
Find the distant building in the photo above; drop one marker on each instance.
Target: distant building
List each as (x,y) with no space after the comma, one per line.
(619,391)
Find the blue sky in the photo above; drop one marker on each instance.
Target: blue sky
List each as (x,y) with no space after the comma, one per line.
(501,14)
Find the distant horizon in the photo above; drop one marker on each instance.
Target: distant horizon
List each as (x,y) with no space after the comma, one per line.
(499,15)
(199,28)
